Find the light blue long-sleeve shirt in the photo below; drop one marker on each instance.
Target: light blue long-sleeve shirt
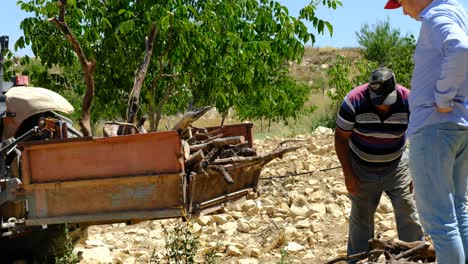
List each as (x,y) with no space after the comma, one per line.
(440,74)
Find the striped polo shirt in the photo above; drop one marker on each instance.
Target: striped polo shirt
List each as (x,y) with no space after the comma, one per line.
(375,138)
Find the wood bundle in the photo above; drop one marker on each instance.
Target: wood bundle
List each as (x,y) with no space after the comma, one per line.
(210,153)
(395,252)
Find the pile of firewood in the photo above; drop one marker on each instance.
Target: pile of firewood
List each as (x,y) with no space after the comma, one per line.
(209,152)
(395,252)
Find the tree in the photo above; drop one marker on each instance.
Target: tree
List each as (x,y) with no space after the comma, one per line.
(282,99)
(378,40)
(210,51)
(387,47)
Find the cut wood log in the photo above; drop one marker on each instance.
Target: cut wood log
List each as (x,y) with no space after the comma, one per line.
(194,159)
(209,139)
(186,150)
(239,150)
(219,142)
(201,136)
(212,169)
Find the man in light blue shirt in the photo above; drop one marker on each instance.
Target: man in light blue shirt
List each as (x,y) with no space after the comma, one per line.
(438,126)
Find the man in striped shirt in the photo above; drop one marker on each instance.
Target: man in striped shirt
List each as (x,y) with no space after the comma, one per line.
(370,144)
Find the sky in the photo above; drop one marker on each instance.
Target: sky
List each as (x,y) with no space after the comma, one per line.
(346,20)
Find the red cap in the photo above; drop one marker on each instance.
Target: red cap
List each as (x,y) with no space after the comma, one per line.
(392,4)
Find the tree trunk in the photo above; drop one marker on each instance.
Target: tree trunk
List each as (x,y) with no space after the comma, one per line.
(133,101)
(87,66)
(152,106)
(223,117)
(161,104)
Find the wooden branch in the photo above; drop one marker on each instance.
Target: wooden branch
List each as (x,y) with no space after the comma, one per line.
(133,102)
(62,4)
(190,117)
(222,171)
(210,139)
(357,256)
(261,160)
(219,142)
(186,149)
(422,246)
(396,245)
(87,66)
(194,159)
(200,136)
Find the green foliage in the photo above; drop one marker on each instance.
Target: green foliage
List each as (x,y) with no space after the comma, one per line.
(284,257)
(68,256)
(344,75)
(181,243)
(327,120)
(210,257)
(387,47)
(401,62)
(281,99)
(206,52)
(378,40)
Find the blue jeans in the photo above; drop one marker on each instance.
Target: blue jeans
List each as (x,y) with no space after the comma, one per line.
(393,179)
(439,168)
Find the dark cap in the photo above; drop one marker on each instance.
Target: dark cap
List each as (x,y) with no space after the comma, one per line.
(382,87)
(392,4)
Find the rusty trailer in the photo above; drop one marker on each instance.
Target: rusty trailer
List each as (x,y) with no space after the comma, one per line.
(124,178)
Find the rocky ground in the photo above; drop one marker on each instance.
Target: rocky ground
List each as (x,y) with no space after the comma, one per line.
(304,215)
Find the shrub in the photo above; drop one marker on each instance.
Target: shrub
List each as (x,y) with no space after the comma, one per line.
(181,243)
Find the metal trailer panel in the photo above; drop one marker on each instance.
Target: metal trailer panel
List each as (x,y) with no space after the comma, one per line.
(104,179)
(100,158)
(105,200)
(206,192)
(209,193)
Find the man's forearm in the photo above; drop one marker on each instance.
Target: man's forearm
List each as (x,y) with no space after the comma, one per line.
(342,151)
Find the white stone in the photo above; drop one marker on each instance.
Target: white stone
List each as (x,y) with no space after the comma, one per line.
(220,219)
(203,220)
(318,208)
(229,228)
(97,254)
(298,211)
(247,261)
(303,224)
(130,260)
(293,247)
(243,226)
(233,251)
(94,243)
(131,231)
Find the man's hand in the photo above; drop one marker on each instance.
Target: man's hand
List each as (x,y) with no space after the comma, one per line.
(352,183)
(444,110)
